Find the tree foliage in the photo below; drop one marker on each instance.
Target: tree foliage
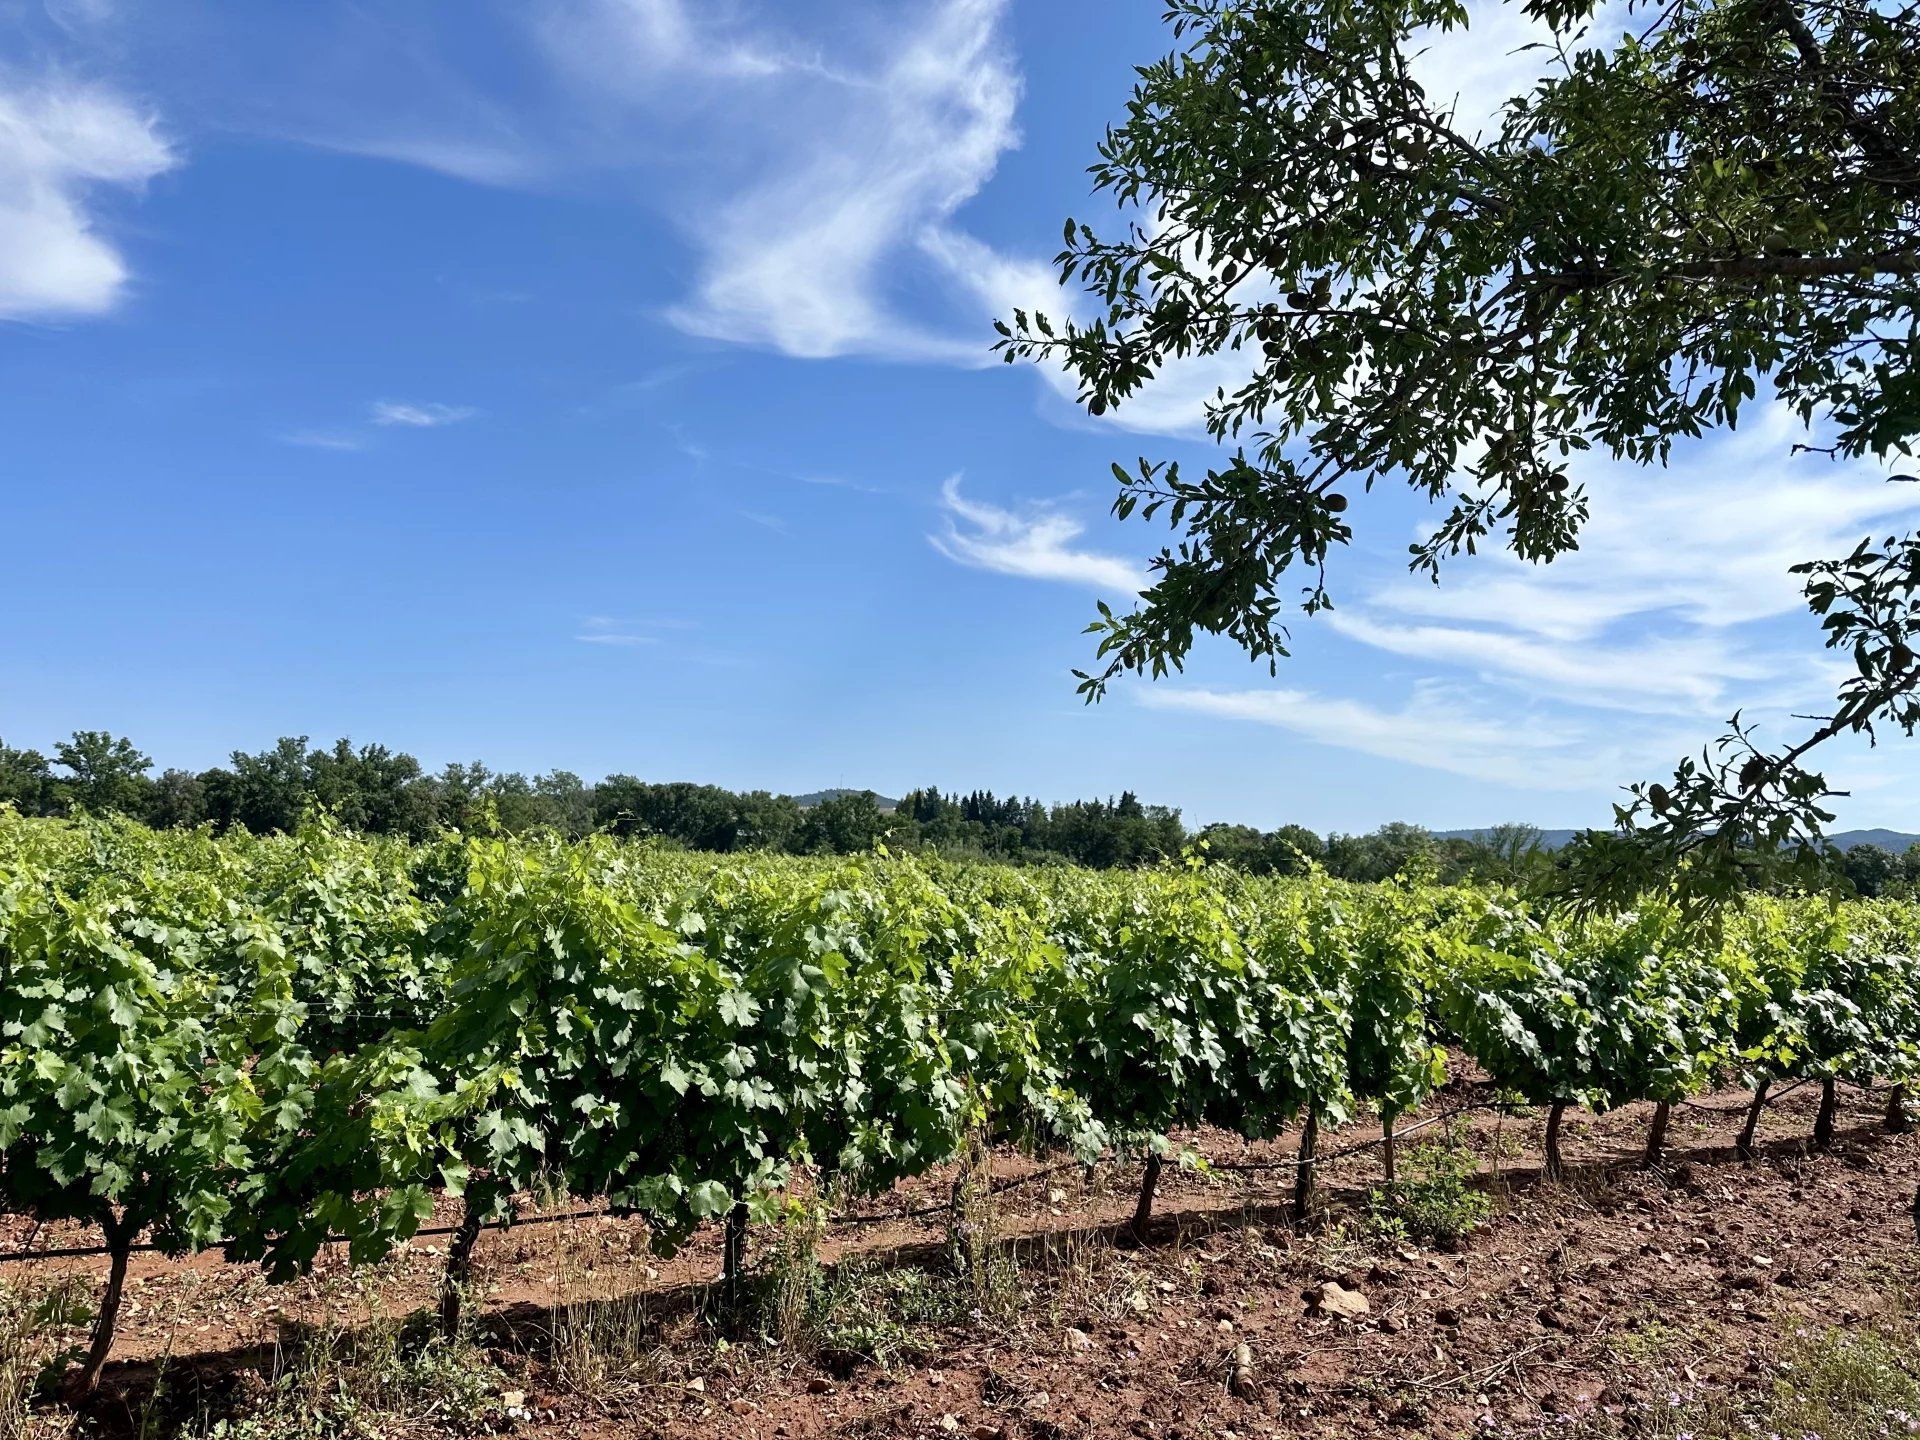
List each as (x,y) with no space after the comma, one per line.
(1720,197)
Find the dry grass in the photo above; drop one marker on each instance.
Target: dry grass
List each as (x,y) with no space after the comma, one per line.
(41,1332)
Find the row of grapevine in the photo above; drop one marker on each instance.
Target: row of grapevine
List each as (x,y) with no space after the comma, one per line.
(271,1043)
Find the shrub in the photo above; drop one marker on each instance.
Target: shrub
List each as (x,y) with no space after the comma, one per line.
(1434,1202)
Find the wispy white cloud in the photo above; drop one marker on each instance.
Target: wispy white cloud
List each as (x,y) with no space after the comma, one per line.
(1439,727)
(1681,674)
(817,158)
(605,637)
(823,479)
(1619,657)
(1174,402)
(1678,597)
(325,439)
(500,164)
(59,143)
(1001,282)
(845,231)
(1709,540)
(1037,545)
(857,194)
(612,41)
(656,378)
(81,15)
(420,416)
(611,630)
(407,415)
(392,83)
(1501,52)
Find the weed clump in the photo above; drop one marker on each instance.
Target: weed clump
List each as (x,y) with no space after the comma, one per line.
(1848,1385)
(1434,1201)
(336,1384)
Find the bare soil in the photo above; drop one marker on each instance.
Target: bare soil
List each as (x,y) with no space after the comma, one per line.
(1577,1298)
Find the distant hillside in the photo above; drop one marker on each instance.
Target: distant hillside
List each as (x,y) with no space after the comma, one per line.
(1552,839)
(1898,841)
(816,797)
(1895,840)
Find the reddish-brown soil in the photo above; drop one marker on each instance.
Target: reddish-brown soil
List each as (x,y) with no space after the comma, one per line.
(1575,1297)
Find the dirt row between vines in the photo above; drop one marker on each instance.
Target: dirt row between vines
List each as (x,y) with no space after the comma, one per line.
(1576,1299)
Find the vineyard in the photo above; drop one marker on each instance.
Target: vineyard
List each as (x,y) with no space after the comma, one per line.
(277,1045)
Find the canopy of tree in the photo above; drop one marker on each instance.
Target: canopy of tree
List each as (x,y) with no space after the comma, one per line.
(1723,196)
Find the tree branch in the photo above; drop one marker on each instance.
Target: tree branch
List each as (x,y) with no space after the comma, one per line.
(1754,267)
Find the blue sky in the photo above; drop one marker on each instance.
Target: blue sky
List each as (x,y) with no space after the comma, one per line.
(602,384)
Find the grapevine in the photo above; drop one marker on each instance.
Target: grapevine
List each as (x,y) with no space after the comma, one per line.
(270,1044)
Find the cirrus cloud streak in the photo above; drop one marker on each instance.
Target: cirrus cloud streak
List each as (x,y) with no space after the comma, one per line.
(1037,545)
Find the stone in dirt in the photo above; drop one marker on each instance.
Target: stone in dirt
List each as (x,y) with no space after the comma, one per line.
(1333,1298)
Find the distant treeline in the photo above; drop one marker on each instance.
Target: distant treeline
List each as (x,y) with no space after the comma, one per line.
(381,791)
